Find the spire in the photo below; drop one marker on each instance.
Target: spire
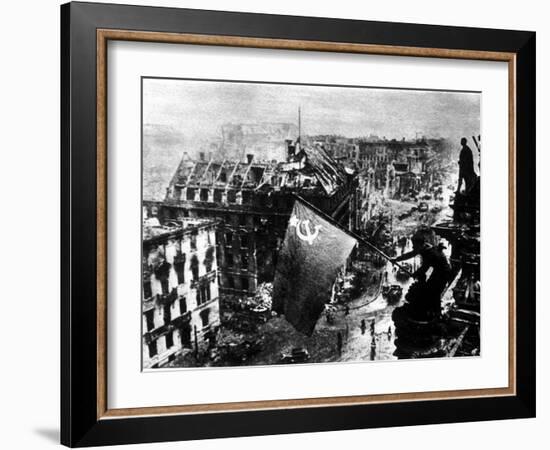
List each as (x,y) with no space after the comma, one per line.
(299,123)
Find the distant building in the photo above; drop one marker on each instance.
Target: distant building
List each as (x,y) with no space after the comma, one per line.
(180,306)
(339,148)
(253,201)
(265,141)
(368,199)
(400,166)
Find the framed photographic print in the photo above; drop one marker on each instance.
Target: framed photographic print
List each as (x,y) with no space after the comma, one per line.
(277,224)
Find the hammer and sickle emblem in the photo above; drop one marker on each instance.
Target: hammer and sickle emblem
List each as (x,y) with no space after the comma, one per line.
(307,234)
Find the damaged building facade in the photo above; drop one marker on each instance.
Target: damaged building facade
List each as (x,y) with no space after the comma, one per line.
(369,201)
(394,167)
(252,200)
(399,166)
(180,295)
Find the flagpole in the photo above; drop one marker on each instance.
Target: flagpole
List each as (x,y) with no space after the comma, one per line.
(351,233)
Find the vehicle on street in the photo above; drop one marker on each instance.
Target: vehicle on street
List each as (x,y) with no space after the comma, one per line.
(296,355)
(239,352)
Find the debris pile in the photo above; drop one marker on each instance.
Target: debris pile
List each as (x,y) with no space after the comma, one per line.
(246,313)
(235,348)
(263,296)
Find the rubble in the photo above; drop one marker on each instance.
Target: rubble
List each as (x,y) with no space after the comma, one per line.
(263,296)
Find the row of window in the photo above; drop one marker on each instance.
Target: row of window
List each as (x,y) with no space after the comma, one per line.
(169,342)
(204,195)
(247,197)
(229,259)
(244,238)
(232,281)
(167,313)
(179,267)
(185,335)
(204,295)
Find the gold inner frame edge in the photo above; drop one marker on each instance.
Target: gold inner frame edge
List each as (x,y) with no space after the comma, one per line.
(103,36)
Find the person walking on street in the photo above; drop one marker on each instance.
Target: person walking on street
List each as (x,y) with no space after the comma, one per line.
(373,349)
(340,343)
(363,326)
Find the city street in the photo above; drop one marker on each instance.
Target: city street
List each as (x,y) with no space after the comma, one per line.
(357,344)
(277,337)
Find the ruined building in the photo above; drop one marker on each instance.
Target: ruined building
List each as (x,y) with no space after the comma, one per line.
(266,141)
(252,200)
(180,289)
(369,201)
(400,166)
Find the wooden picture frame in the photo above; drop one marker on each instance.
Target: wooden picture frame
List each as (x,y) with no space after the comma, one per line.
(85,417)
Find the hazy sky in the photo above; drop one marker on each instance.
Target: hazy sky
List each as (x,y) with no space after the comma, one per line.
(198,109)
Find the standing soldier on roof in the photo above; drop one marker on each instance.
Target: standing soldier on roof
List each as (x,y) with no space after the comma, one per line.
(466,170)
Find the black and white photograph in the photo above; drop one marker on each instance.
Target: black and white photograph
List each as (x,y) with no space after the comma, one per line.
(292,224)
(275,224)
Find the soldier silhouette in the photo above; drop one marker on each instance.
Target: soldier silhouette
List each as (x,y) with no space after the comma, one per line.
(434,258)
(466,170)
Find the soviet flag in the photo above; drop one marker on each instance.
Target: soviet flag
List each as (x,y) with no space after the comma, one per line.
(312,254)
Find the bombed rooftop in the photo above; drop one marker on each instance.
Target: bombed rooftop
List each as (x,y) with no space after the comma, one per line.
(307,169)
